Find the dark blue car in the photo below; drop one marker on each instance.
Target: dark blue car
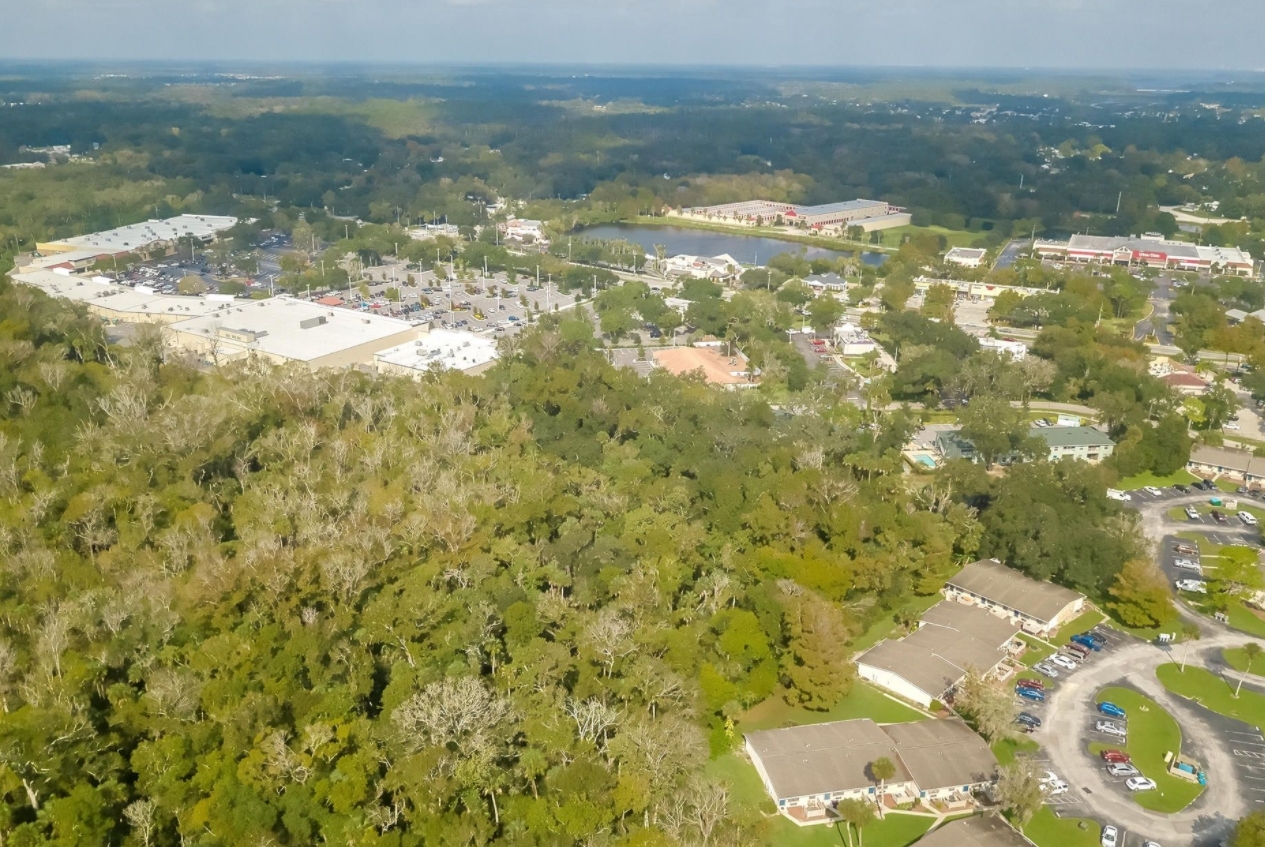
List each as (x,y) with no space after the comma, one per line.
(1030,694)
(1086,641)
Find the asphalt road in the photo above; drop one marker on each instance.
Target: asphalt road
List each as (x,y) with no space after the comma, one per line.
(1158,322)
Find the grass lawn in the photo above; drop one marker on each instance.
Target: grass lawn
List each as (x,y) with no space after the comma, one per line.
(864,701)
(751,805)
(1152,733)
(1008,748)
(955,237)
(1087,619)
(1048,830)
(1241,617)
(1142,480)
(1037,649)
(1237,659)
(1213,692)
(883,627)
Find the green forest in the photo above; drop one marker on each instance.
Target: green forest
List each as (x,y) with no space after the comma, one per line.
(266,605)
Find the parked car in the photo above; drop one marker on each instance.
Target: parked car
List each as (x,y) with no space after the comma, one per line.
(1119,756)
(1047,669)
(1140,783)
(1205,485)
(1188,565)
(1111,710)
(1192,513)
(1030,694)
(1217,516)
(1111,728)
(1080,651)
(1247,518)
(1114,494)
(1151,489)
(1055,788)
(1122,769)
(1185,550)
(1028,719)
(1109,835)
(1032,683)
(1096,638)
(1181,489)
(1089,641)
(1197,586)
(1063,662)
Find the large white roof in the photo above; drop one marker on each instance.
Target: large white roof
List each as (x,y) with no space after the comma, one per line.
(445,348)
(136,236)
(100,291)
(295,329)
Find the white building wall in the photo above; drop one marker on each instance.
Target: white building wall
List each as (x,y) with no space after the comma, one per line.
(899,686)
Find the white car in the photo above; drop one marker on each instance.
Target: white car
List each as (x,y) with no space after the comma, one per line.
(1113,494)
(1248,518)
(1063,662)
(1053,789)
(1111,728)
(1151,489)
(1230,425)
(1198,586)
(1109,834)
(1192,513)
(1140,783)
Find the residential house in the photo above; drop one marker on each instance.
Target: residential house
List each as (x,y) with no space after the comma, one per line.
(1239,465)
(951,640)
(975,831)
(1038,607)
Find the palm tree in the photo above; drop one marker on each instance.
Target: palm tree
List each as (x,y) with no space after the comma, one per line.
(1251,650)
(1190,633)
(856,813)
(882,769)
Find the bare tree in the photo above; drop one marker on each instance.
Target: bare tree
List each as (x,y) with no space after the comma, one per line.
(460,711)
(140,816)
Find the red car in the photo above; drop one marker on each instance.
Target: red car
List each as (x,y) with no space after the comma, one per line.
(1116,757)
(1031,683)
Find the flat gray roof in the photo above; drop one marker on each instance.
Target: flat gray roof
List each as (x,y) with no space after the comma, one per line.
(845,206)
(990,579)
(943,753)
(953,639)
(975,831)
(823,758)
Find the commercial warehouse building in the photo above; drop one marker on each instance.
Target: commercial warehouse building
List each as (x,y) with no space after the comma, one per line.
(1036,606)
(808,770)
(439,349)
(1150,251)
(951,639)
(146,237)
(966,257)
(283,329)
(867,214)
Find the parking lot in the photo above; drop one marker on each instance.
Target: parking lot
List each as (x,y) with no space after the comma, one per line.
(490,304)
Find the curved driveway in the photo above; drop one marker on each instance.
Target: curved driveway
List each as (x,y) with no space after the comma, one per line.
(1064,736)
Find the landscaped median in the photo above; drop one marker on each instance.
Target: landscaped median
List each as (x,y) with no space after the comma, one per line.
(1152,733)
(1214,692)
(1048,830)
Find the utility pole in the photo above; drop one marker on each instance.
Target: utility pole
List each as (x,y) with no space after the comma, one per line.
(1118,199)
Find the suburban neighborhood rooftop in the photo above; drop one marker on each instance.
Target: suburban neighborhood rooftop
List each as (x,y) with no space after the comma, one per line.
(1007,587)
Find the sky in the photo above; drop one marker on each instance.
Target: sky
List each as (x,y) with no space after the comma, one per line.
(1065,34)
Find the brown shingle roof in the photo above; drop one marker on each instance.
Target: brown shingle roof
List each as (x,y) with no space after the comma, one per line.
(990,579)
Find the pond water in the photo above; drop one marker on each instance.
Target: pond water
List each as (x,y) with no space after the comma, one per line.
(748,249)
